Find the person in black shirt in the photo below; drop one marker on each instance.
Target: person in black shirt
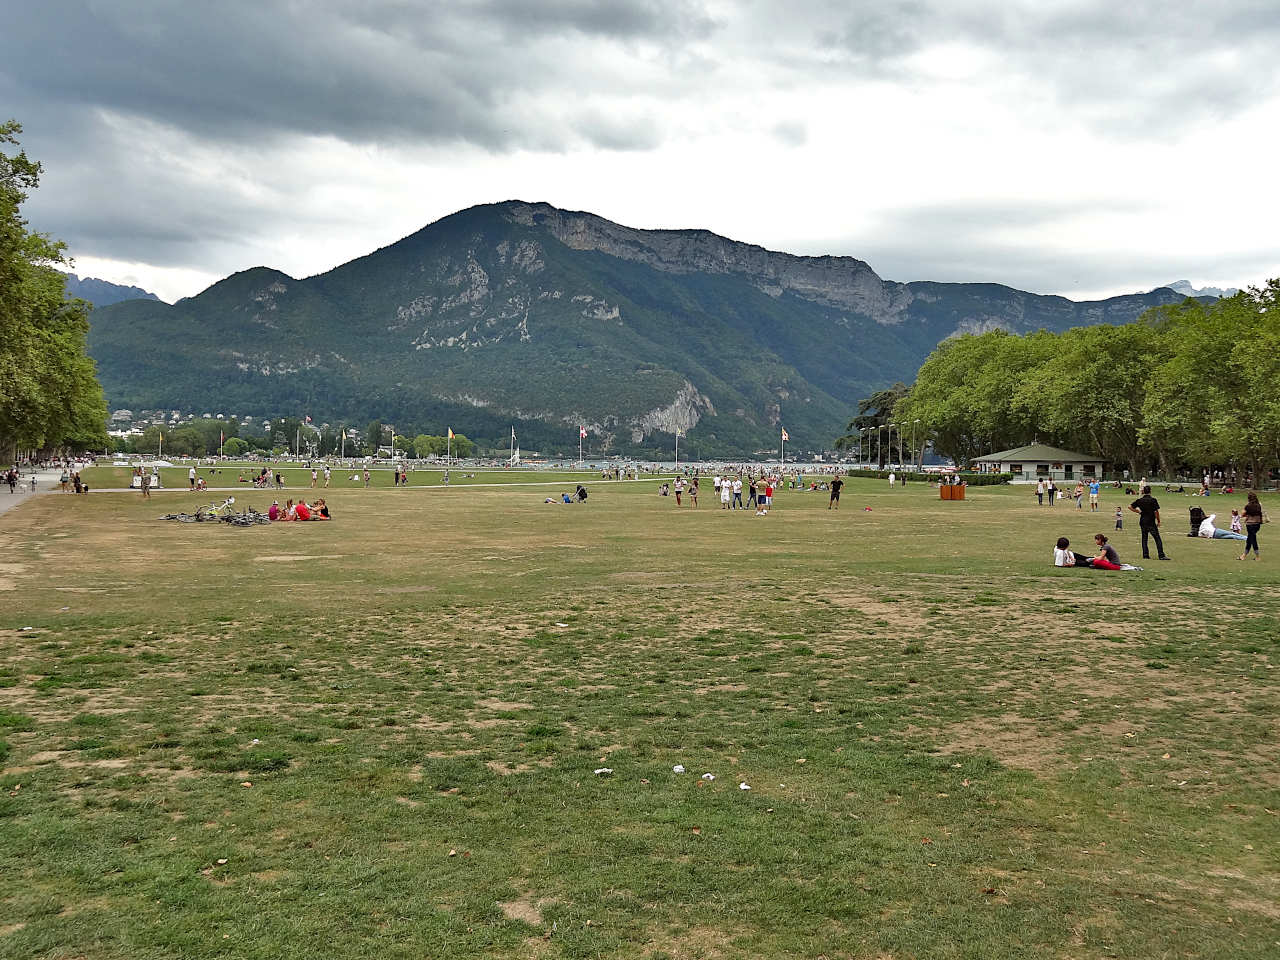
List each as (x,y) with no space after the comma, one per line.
(1148,509)
(836,484)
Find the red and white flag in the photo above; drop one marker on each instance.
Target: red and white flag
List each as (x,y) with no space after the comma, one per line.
(582,432)
(308,419)
(785,435)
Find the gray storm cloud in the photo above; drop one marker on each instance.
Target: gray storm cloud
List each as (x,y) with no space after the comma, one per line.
(258,83)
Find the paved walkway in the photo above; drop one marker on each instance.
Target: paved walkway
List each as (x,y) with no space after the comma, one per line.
(46,482)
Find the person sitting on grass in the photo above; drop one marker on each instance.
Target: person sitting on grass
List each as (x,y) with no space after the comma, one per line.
(320,510)
(274,512)
(302,511)
(290,512)
(1107,558)
(1063,556)
(1209,532)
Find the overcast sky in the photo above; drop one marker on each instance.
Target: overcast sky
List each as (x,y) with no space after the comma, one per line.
(1083,148)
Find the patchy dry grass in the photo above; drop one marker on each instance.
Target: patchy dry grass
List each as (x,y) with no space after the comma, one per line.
(380,734)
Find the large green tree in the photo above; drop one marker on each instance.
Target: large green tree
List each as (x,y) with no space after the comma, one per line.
(49,392)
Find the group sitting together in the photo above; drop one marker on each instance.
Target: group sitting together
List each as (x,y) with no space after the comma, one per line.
(1107,558)
(299,511)
(579,496)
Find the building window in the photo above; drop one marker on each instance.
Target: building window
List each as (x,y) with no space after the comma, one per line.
(1015,468)
(1066,471)
(1089,470)
(1042,469)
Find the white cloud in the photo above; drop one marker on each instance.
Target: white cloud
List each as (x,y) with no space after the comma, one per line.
(1072,147)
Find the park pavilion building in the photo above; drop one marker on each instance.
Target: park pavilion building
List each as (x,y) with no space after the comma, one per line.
(1038,461)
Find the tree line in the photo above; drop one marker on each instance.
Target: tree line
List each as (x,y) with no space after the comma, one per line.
(201,438)
(1187,385)
(50,397)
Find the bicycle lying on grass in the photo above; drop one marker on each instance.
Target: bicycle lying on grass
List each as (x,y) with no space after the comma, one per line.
(221,513)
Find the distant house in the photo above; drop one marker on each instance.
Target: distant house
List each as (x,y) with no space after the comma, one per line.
(122,416)
(1040,461)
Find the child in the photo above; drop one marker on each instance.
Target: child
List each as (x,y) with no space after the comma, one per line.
(1235,522)
(1119,519)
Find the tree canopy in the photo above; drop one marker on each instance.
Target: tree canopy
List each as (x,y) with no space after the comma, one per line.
(49,392)
(1189,383)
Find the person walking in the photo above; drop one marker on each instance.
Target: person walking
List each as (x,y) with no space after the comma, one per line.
(1040,493)
(679,489)
(1052,490)
(326,475)
(836,484)
(737,493)
(146,485)
(1095,488)
(1252,521)
(1148,509)
(726,493)
(693,492)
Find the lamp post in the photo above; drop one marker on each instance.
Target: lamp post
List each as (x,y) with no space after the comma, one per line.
(901,460)
(915,451)
(880,445)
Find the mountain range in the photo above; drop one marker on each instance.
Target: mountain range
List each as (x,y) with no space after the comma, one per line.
(103,293)
(524,314)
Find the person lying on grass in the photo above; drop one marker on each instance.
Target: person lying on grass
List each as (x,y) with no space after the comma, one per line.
(1210,532)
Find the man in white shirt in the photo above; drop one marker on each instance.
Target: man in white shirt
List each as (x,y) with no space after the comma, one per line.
(191,477)
(1210,532)
(737,493)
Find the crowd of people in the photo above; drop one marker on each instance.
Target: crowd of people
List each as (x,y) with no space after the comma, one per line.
(299,511)
(1244,525)
(728,491)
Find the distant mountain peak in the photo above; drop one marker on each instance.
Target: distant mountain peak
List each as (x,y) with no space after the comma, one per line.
(1185,288)
(101,293)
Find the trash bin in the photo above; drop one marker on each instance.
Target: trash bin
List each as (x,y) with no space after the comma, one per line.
(952,491)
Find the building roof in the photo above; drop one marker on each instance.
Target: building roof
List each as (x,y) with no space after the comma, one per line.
(1040,453)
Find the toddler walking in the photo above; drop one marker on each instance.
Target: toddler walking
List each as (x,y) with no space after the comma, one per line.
(1119,519)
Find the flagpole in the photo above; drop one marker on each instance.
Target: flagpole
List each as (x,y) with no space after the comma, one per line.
(513,443)
(677,450)
(579,446)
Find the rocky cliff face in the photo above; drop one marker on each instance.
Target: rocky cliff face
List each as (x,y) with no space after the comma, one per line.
(834,281)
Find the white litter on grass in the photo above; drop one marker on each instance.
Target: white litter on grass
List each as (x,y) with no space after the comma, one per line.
(603,770)
(255,741)
(744,786)
(28,628)
(558,624)
(678,768)
(708,776)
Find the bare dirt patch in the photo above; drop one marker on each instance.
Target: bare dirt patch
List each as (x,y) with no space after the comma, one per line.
(526,910)
(7,572)
(1011,739)
(294,557)
(503,705)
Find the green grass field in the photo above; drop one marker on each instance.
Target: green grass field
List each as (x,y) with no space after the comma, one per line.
(299,479)
(377,737)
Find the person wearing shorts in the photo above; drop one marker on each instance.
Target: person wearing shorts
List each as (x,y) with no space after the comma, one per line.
(1094,487)
(836,484)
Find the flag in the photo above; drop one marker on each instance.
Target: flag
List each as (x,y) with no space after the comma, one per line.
(513,433)
(308,419)
(785,436)
(344,433)
(450,433)
(582,432)
(679,432)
